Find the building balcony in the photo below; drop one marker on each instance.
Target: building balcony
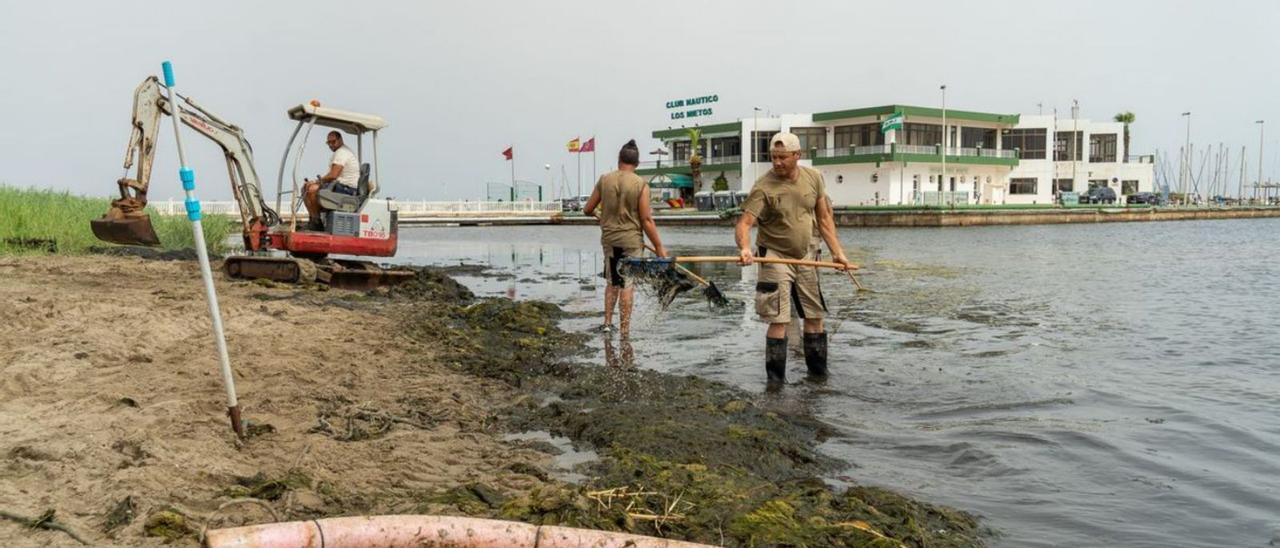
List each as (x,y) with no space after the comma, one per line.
(681,165)
(914,153)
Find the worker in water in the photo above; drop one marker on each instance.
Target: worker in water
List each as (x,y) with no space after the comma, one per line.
(343,177)
(785,203)
(620,201)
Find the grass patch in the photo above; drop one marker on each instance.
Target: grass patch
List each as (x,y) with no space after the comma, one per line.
(32,215)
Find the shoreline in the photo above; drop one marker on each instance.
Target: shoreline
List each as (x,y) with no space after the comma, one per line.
(123,435)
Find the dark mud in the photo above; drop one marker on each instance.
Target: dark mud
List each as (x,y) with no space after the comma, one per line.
(680,457)
(150,253)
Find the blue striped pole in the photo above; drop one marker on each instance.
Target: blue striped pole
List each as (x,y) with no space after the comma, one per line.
(188,177)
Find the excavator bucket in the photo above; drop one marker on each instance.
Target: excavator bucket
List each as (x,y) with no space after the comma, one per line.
(125,230)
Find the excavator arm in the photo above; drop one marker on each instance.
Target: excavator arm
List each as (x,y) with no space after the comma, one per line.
(127,222)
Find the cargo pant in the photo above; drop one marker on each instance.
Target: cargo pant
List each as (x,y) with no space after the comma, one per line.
(781,289)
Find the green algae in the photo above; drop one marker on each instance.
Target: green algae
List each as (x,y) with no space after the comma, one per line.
(680,457)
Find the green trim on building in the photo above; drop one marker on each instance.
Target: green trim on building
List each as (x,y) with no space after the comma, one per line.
(706,130)
(928,112)
(914,158)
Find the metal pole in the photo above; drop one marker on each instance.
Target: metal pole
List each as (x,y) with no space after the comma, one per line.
(1186,162)
(755,129)
(188,177)
(1261,125)
(1075,147)
(943,178)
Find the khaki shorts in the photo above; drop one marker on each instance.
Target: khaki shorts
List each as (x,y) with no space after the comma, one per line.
(611,257)
(782,288)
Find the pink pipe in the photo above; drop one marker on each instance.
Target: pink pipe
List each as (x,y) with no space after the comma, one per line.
(420,531)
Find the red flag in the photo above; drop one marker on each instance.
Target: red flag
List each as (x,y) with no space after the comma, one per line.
(509,153)
(589,146)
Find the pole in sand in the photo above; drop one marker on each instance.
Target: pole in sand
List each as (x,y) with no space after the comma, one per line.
(193,213)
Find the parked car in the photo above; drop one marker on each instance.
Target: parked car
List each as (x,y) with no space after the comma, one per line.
(1141,198)
(1099,195)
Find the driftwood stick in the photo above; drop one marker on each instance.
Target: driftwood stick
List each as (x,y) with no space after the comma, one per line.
(45,521)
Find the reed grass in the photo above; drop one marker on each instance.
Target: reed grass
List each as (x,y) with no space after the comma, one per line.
(31,214)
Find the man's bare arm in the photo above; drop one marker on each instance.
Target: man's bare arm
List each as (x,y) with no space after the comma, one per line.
(827,227)
(335,171)
(592,202)
(648,224)
(742,236)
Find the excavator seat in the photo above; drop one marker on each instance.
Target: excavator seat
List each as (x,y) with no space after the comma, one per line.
(337,201)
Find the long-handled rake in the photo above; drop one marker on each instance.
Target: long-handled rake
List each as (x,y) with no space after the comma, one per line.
(709,289)
(659,267)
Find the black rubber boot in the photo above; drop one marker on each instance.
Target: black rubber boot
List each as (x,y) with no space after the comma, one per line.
(775,359)
(815,353)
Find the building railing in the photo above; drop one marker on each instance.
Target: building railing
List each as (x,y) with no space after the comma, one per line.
(964,152)
(684,162)
(405,207)
(854,151)
(993,153)
(916,149)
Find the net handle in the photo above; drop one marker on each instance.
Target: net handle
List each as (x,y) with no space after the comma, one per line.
(778,260)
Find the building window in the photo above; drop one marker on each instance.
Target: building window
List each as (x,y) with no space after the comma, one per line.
(1102,147)
(1095,183)
(921,134)
(680,151)
(858,135)
(726,146)
(1030,142)
(1064,185)
(1062,146)
(811,138)
(1022,185)
(762,144)
(976,137)
(1128,188)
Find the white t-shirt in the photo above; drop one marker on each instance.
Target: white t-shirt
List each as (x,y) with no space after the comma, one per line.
(350,175)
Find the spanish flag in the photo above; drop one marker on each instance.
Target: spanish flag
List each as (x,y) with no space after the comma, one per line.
(574,145)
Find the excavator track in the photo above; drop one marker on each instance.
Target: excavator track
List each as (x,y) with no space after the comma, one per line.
(337,273)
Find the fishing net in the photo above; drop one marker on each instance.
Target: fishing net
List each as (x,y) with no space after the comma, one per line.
(658,275)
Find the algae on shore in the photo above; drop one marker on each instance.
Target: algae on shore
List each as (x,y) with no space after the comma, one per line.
(681,457)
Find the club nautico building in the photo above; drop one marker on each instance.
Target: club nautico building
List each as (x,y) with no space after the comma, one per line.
(896,155)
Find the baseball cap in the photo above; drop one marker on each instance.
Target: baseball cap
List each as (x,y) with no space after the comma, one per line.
(788,141)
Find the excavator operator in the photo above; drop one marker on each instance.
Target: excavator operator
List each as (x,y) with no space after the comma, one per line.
(343,177)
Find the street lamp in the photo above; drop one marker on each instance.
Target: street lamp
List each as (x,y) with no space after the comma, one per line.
(1075,130)
(554,191)
(943,178)
(755,128)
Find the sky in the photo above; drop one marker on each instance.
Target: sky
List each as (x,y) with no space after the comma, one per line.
(459,82)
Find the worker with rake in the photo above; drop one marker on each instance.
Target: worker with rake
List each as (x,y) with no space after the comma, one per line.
(625,219)
(784,205)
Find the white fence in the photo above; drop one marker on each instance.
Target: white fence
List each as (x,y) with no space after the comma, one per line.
(407,208)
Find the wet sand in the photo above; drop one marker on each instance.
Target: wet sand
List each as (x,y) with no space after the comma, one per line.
(110,391)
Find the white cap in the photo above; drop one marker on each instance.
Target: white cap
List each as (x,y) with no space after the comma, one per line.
(788,141)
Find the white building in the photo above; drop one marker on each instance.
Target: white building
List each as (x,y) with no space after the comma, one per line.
(990,158)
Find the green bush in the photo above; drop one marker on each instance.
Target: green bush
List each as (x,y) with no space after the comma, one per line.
(63,218)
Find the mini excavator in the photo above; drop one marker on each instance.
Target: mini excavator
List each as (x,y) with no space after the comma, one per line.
(357,225)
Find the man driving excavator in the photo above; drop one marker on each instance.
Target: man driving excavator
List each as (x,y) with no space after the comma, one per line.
(343,177)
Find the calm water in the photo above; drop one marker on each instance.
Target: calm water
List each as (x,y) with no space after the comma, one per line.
(1074,385)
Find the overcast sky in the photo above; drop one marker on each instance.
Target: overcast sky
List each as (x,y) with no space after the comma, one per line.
(460,81)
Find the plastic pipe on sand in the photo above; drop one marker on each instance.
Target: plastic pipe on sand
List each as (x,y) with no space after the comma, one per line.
(417,531)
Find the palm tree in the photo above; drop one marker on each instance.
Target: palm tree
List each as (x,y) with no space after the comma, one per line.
(1126,118)
(695,156)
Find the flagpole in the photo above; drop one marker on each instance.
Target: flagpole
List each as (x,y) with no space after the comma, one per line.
(513,173)
(579,172)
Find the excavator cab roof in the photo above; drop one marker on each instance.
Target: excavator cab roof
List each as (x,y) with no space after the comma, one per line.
(351,122)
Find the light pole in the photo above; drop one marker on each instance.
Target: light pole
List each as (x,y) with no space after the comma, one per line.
(1261,125)
(755,128)
(554,192)
(1186,161)
(943,178)
(1075,130)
